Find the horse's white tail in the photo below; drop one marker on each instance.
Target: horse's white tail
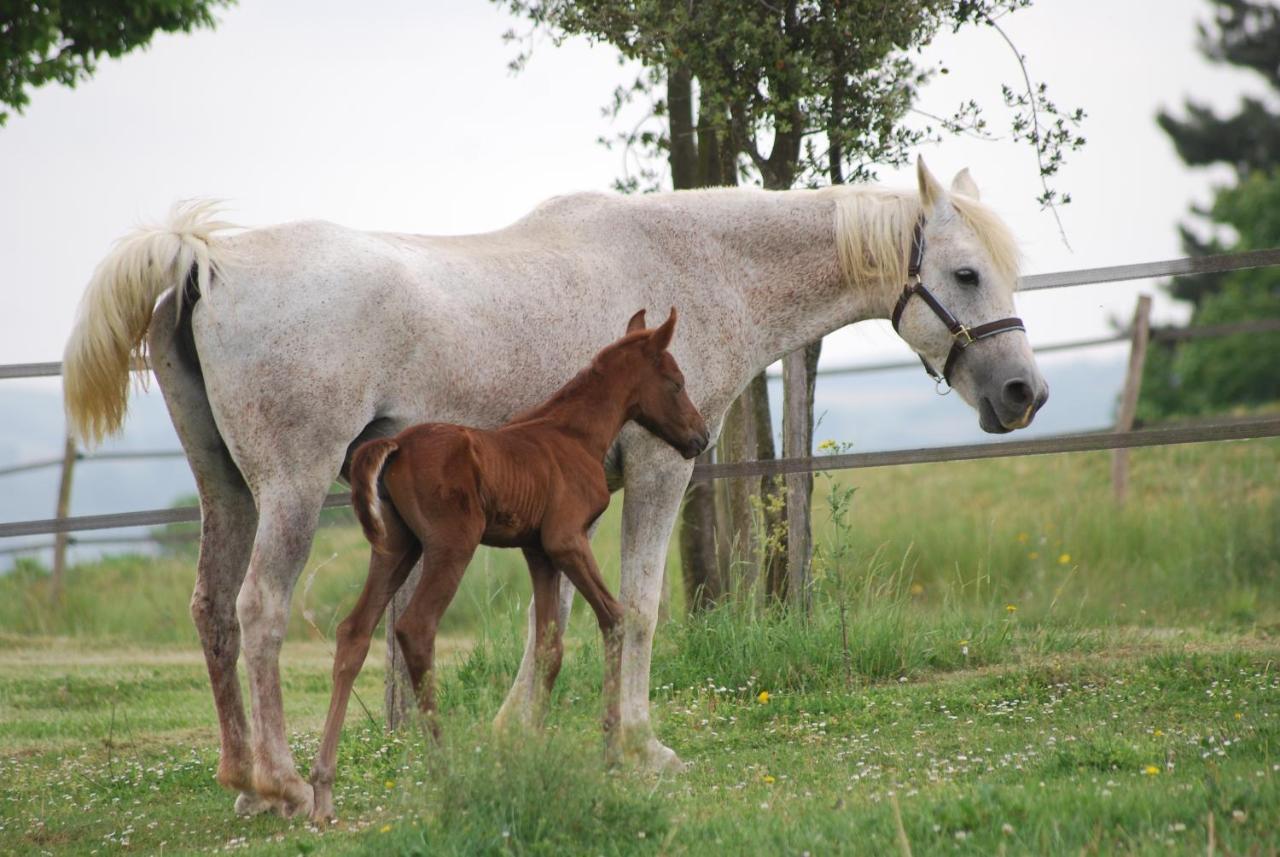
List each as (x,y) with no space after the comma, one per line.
(366,466)
(116,309)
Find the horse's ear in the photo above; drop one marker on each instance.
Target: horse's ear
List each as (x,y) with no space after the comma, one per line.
(636,323)
(964,183)
(931,191)
(661,338)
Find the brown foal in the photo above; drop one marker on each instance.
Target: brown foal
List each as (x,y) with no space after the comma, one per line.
(537,483)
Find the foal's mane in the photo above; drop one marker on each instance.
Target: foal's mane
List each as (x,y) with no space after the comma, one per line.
(578,385)
(874,227)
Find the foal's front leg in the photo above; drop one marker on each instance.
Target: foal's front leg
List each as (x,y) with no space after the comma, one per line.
(548,638)
(387,573)
(573,554)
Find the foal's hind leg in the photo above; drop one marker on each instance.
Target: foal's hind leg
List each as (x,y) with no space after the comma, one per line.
(387,573)
(227,523)
(443,564)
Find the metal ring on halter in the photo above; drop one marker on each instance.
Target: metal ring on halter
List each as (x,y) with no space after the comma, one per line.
(962,336)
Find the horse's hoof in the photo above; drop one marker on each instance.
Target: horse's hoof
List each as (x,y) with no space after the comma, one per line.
(322,811)
(658,758)
(249,804)
(300,802)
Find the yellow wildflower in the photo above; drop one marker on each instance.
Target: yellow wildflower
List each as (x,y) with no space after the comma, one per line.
(917,588)
(391,784)
(768,780)
(1150,770)
(1063,559)
(1159,733)
(827,445)
(1033,555)
(1239,715)
(1010,608)
(763,697)
(1022,538)
(386,828)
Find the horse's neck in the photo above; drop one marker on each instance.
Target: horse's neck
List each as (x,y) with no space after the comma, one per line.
(590,410)
(780,254)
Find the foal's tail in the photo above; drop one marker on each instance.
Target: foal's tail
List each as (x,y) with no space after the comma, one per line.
(116,310)
(366,466)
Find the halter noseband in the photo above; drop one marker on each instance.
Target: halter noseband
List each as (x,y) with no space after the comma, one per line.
(961,336)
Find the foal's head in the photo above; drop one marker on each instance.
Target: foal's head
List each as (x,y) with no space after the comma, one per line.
(641,363)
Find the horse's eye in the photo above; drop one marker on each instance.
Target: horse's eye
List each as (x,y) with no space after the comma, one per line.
(966,277)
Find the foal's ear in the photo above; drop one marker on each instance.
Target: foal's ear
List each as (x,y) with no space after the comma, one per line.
(964,183)
(661,338)
(636,323)
(931,191)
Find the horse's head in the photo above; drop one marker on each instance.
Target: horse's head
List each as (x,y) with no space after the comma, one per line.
(658,401)
(956,311)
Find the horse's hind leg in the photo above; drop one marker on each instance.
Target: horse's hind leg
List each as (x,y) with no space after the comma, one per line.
(387,573)
(227,523)
(288,512)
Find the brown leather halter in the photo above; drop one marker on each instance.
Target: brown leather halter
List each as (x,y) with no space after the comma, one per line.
(961,336)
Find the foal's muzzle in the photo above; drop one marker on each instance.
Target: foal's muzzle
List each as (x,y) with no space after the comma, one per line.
(696,445)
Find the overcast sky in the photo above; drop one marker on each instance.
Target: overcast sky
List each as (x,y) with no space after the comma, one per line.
(403,116)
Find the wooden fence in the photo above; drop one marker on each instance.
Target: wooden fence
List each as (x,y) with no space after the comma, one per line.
(1123,438)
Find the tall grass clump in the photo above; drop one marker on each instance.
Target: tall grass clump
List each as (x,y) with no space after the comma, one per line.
(538,795)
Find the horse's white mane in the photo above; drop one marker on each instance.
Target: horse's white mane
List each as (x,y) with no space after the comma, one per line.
(874,227)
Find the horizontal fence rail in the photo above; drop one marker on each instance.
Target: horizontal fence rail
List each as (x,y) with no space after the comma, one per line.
(1218,264)
(123,455)
(1235,430)
(1240,429)
(114,520)
(1085,276)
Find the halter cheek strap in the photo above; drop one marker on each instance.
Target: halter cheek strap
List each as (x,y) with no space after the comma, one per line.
(961,336)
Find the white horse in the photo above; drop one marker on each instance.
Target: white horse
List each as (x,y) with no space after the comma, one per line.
(278,349)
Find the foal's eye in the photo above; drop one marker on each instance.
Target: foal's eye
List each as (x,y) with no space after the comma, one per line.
(966,277)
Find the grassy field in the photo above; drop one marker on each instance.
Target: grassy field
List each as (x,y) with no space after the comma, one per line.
(999,661)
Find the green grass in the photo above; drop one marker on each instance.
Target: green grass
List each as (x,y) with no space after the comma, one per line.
(1110,702)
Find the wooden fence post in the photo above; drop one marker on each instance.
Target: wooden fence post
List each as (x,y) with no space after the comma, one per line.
(398,689)
(64,508)
(1141,334)
(798,376)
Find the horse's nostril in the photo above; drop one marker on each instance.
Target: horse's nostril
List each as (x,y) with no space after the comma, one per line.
(1017,394)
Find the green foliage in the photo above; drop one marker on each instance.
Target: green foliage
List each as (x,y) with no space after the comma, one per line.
(1219,373)
(1246,34)
(61,41)
(823,86)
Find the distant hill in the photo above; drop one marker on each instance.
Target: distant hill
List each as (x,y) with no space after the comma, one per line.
(875,411)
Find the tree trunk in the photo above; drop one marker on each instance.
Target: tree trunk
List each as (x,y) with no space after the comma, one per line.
(684,142)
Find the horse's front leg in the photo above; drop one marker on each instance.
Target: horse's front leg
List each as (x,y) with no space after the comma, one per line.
(655,479)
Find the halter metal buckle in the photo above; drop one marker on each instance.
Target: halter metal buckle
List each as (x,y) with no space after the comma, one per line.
(963,337)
